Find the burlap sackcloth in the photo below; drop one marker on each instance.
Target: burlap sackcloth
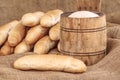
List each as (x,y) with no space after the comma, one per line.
(107,69)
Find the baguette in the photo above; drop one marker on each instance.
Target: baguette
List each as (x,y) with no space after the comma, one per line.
(34,34)
(51,18)
(50,62)
(44,45)
(22,48)
(32,19)
(6,49)
(54,32)
(16,35)
(4,30)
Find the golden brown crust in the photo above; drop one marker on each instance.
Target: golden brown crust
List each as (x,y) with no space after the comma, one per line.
(16,35)
(22,48)
(6,49)
(4,30)
(54,32)
(50,62)
(51,18)
(44,45)
(34,34)
(32,19)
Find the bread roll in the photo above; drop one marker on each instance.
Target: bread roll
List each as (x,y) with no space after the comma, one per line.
(32,19)
(6,49)
(50,62)
(16,35)
(34,34)
(44,45)
(4,30)
(22,47)
(51,18)
(54,32)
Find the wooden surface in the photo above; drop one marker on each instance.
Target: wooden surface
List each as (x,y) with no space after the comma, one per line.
(83,37)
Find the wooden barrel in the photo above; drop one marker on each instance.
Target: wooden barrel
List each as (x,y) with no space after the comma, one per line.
(84,38)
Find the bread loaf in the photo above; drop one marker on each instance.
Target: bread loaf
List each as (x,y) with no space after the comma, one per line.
(4,30)
(51,18)
(16,35)
(54,32)
(50,62)
(32,19)
(34,34)
(44,45)
(6,49)
(22,48)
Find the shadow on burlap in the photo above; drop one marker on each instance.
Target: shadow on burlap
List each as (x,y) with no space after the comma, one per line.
(107,69)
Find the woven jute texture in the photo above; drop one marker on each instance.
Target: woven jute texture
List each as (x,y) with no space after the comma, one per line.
(14,9)
(107,69)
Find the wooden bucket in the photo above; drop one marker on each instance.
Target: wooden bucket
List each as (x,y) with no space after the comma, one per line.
(83,38)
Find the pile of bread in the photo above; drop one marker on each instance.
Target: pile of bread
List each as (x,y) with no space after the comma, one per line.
(38,31)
